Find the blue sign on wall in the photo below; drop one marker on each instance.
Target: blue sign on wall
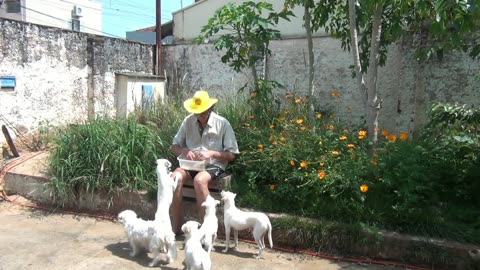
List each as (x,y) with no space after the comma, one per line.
(147,95)
(8,82)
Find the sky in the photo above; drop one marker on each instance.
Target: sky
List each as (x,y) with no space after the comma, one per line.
(120,16)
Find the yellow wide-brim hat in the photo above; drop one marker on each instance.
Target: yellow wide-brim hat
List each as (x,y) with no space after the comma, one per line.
(199,103)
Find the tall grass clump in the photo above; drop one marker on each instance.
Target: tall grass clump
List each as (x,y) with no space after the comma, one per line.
(109,154)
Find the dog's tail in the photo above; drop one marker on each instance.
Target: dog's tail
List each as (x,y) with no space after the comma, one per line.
(270,234)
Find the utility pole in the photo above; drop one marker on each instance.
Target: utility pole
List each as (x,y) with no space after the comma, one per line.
(159,36)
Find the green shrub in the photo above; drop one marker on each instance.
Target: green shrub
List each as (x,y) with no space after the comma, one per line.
(292,164)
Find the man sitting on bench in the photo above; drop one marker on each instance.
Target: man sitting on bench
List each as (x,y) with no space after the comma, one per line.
(202,135)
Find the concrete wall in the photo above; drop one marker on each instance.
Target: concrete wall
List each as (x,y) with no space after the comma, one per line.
(62,76)
(455,79)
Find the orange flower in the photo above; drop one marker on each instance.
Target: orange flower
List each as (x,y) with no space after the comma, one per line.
(303,164)
(260,146)
(319,115)
(335,153)
(321,174)
(345,130)
(351,145)
(302,128)
(251,116)
(299,121)
(272,186)
(374,162)
(385,132)
(322,163)
(275,143)
(288,95)
(246,124)
(364,188)
(375,154)
(292,162)
(335,93)
(254,94)
(391,137)
(342,138)
(282,138)
(361,137)
(403,136)
(362,132)
(272,126)
(298,100)
(271,137)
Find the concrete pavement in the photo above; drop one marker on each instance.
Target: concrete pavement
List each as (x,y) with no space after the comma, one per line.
(37,239)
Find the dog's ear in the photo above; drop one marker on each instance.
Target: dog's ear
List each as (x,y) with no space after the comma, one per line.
(167,164)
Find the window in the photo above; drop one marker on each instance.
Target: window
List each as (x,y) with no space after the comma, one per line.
(76,24)
(13,6)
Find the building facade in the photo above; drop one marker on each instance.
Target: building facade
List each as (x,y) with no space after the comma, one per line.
(77,15)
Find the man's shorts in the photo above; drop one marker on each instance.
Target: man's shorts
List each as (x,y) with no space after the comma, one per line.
(214,172)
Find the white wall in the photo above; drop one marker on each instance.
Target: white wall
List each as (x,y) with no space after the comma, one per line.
(455,79)
(128,91)
(62,76)
(189,20)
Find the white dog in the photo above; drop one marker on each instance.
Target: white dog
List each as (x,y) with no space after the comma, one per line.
(136,230)
(196,258)
(241,220)
(210,223)
(164,237)
(166,188)
(147,235)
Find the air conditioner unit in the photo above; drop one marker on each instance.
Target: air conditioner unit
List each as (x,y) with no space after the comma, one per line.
(77,11)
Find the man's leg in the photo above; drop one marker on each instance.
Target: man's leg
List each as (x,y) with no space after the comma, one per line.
(177,207)
(200,182)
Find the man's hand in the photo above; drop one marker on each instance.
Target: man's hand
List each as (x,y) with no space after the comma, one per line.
(190,155)
(203,155)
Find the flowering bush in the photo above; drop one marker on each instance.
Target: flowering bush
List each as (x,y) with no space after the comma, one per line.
(303,163)
(317,168)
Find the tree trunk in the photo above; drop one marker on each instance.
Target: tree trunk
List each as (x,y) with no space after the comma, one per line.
(311,59)
(355,51)
(374,103)
(420,108)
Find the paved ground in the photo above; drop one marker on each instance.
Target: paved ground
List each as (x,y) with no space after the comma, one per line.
(38,239)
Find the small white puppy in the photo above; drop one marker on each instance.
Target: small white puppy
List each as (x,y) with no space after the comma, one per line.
(241,220)
(196,258)
(137,231)
(210,223)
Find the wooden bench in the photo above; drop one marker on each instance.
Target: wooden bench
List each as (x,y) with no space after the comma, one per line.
(215,187)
